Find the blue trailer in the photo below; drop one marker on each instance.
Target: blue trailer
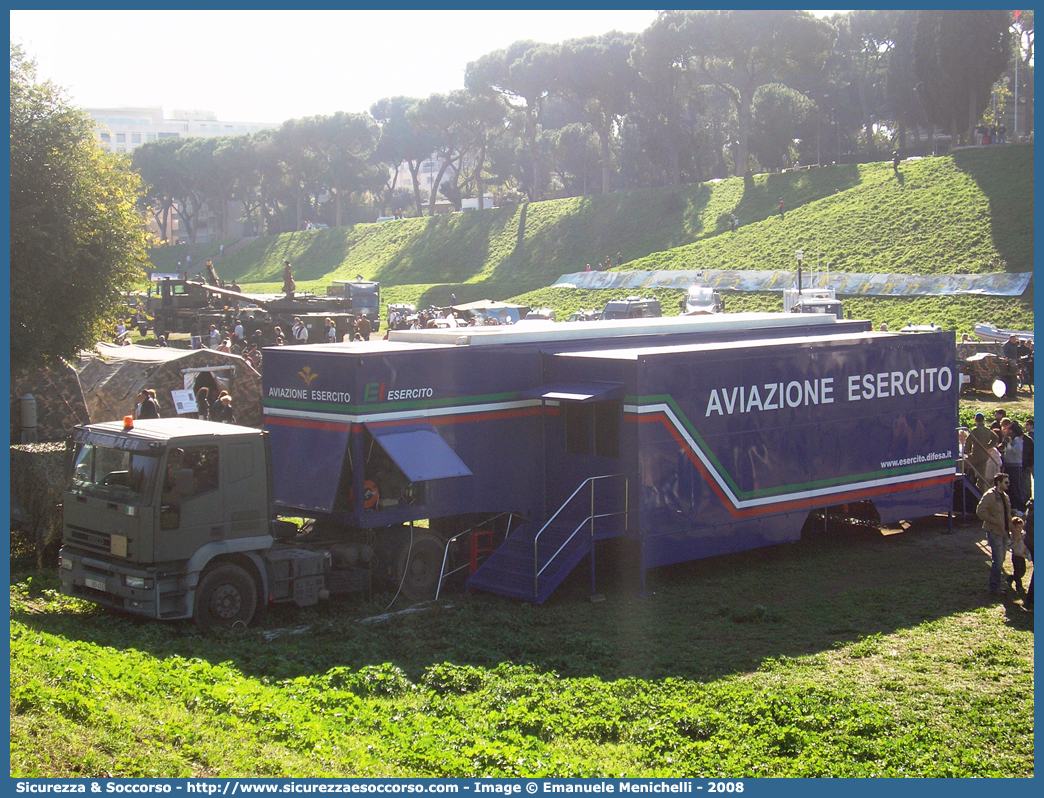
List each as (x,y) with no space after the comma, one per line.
(693,436)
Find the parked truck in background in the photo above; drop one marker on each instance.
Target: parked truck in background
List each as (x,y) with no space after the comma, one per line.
(361,298)
(690,436)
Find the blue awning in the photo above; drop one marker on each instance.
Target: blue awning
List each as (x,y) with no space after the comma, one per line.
(577,391)
(418,450)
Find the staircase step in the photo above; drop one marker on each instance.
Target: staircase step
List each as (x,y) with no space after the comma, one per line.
(509,570)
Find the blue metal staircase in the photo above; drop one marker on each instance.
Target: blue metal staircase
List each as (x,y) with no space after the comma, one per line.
(535,559)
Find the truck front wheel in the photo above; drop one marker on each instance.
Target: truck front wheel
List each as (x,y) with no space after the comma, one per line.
(225,599)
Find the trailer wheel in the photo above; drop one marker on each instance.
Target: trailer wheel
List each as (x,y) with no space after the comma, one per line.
(225,599)
(420,578)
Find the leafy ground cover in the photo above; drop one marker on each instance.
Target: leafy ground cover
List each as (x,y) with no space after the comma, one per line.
(850,653)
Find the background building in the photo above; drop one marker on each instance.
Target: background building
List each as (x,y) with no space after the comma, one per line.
(126,128)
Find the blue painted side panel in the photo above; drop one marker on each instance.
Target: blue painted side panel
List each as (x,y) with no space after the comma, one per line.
(306,470)
(713,462)
(713,467)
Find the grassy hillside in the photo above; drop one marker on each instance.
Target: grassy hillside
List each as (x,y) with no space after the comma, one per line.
(972,213)
(969,213)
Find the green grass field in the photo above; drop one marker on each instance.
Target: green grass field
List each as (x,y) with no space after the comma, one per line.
(851,653)
(969,213)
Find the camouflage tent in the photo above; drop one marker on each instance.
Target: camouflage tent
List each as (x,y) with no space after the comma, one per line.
(60,404)
(110,381)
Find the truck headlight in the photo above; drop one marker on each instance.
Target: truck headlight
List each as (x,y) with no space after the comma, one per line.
(139,582)
(66,563)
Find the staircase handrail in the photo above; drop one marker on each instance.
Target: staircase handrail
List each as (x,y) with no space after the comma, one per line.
(536,539)
(445,551)
(574,533)
(966,464)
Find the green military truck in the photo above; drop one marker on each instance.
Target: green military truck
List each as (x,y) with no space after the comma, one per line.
(173,518)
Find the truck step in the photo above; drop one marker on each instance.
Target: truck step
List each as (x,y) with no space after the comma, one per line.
(509,571)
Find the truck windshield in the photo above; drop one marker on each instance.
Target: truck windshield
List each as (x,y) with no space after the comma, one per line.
(364,298)
(115,474)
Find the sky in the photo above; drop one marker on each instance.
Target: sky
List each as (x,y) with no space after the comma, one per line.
(269,66)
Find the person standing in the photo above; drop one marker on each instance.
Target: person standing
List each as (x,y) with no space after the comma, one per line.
(998,416)
(977,449)
(781,216)
(1010,349)
(214,337)
(1011,456)
(289,286)
(147,407)
(203,403)
(1019,553)
(1027,461)
(239,333)
(994,509)
(895,162)
(221,411)
(299,332)
(331,331)
(365,327)
(1028,540)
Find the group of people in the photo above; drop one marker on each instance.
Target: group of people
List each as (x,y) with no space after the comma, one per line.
(607,264)
(1003,447)
(985,135)
(1000,458)
(220,409)
(1007,529)
(1021,351)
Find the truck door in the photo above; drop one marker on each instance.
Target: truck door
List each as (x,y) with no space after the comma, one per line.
(192,511)
(586,445)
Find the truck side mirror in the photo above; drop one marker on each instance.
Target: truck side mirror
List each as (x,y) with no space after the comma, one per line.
(184,482)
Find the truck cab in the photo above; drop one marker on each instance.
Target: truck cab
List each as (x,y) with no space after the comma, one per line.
(173,518)
(813,300)
(701,298)
(363,297)
(174,304)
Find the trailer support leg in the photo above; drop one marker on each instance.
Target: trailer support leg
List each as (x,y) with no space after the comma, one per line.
(964,500)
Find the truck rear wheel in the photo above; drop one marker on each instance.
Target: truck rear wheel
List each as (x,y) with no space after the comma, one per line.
(225,599)
(420,576)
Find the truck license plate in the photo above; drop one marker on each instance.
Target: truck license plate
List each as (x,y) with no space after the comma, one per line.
(96,584)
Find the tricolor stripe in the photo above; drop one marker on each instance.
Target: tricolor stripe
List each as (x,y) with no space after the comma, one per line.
(745,503)
(643,410)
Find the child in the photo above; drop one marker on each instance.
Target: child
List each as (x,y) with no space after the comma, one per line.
(1019,554)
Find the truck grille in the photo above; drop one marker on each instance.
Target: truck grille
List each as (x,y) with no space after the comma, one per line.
(85,538)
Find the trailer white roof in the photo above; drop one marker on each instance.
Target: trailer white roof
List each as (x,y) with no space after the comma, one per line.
(538,331)
(719,346)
